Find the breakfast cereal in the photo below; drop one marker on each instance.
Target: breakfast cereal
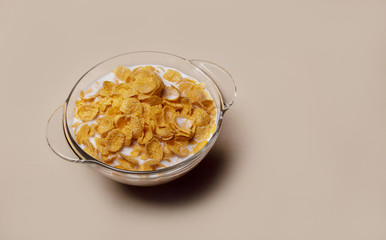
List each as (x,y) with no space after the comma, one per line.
(144,118)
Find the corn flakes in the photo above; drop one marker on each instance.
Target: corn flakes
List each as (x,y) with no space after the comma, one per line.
(89,148)
(146,135)
(201,116)
(125,164)
(154,150)
(129,159)
(202,133)
(82,133)
(178,147)
(122,73)
(101,146)
(106,90)
(109,158)
(104,124)
(199,146)
(131,106)
(87,112)
(137,126)
(137,111)
(172,76)
(170,93)
(115,140)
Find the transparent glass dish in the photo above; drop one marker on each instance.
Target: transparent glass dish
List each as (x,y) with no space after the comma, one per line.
(61,139)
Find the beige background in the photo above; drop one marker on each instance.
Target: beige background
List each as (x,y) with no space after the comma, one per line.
(302,152)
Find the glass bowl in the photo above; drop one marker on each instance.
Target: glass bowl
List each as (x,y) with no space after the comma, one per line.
(217,80)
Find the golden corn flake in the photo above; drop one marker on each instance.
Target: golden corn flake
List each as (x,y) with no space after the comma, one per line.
(169,114)
(156,112)
(101,146)
(138,112)
(104,103)
(146,167)
(104,124)
(131,106)
(166,133)
(146,135)
(186,106)
(89,148)
(125,90)
(199,146)
(196,93)
(116,100)
(167,152)
(125,164)
(185,85)
(137,127)
(87,99)
(172,76)
(183,123)
(153,162)
(128,135)
(147,82)
(154,150)
(120,167)
(87,112)
(152,100)
(92,130)
(143,155)
(82,133)
(129,159)
(178,147)
(106,89)
(115,140)
(120,121)
(113,111)
(170,93)
(75,125)
(122,73)
(201,116)
(135,153)
(143,69)
(202,133)
(109,158)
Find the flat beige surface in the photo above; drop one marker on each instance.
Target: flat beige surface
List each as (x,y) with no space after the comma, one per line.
(302,153)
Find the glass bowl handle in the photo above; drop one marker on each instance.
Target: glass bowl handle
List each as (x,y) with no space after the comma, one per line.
(56,139)
(222,78)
